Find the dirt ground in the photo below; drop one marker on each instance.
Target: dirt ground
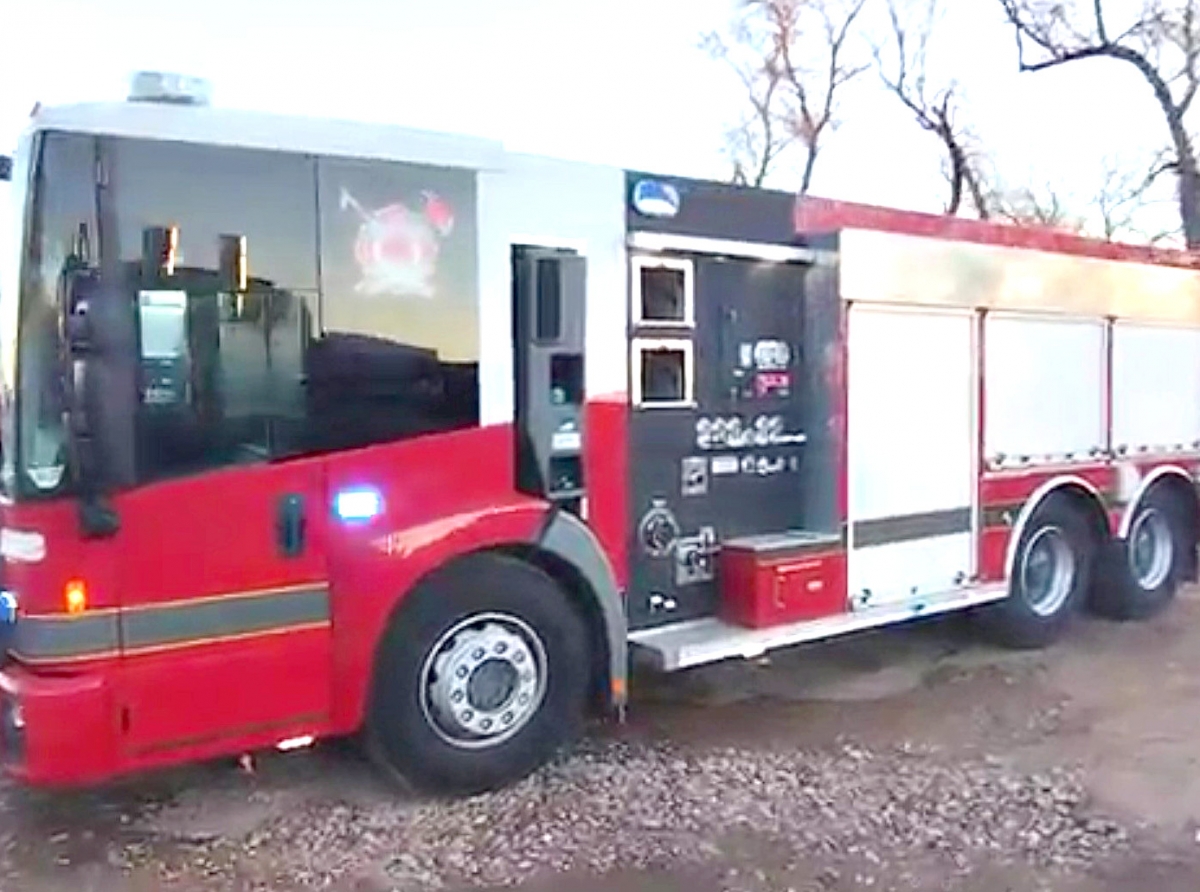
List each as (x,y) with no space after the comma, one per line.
(1117,704)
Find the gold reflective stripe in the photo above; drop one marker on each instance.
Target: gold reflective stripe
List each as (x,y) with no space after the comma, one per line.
(147,627)
(85,636)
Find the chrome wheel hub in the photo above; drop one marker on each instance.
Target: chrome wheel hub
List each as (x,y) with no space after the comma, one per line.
(1151,549)
(483,680)
(1047,571)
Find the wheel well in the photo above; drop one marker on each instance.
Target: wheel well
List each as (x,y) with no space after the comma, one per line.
(572,582)
(1182,490)
(1089,506)
(1082,500)
(583,599)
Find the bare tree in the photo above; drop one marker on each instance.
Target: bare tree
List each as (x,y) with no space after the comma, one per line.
(793,57)
(1033,206)
(755,142)
(903,66)
(1162,43)
(1120,207)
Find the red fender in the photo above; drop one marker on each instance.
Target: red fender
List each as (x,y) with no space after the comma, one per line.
(386,567)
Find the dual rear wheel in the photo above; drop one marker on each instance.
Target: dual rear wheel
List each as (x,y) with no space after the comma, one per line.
(1062,562)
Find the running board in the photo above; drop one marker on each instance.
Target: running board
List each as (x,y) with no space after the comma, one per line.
(699,641)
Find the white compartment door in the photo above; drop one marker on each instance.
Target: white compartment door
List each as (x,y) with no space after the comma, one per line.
(1045,389)
(911,453)
(1156,388)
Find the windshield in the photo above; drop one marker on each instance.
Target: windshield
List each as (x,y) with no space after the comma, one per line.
(62,206)
(12,224)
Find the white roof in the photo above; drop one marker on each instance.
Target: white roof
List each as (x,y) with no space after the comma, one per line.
(251,129)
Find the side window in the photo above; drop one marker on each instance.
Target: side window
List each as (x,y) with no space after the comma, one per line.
(359,327)
(398,355)
(222,363)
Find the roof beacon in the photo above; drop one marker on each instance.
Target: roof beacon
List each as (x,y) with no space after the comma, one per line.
(175,89)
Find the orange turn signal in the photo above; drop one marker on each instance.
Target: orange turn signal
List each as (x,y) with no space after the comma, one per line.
(75,596)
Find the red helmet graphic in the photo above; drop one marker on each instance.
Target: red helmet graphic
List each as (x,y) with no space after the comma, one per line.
(397,248)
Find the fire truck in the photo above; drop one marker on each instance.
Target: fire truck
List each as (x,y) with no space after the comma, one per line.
(319,429)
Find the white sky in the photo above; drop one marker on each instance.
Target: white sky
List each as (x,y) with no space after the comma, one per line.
(619,81)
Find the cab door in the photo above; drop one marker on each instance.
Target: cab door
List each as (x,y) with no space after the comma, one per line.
(224,602)
(225,619)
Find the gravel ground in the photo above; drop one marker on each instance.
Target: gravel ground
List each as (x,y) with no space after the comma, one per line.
(912,761)
(622,805)
(638,807)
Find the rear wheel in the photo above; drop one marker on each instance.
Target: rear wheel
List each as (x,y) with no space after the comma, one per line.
(1052,570)
(482,676)
(1147,563)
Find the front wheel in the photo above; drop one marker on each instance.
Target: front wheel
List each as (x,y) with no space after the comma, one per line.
(482,676)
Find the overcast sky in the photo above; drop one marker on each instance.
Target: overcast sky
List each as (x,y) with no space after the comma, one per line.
(619,82)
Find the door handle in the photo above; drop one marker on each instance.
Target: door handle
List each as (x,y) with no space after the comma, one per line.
(290,525)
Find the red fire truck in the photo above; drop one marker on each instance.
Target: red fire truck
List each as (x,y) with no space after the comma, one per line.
(315,429)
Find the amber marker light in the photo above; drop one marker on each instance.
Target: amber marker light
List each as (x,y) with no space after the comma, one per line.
(75,596)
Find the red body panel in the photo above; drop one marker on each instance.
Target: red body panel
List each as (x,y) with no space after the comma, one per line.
(71,726)
(1012,488)
(443,496)
(209,544)
(41,584)
(214,536)
(606,467)
(1003,493)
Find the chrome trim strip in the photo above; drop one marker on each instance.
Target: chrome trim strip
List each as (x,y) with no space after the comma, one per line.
(658,242)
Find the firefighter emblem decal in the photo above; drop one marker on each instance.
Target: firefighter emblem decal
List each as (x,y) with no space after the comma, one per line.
(397,247)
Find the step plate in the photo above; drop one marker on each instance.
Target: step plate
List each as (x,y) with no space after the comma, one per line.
(699,641)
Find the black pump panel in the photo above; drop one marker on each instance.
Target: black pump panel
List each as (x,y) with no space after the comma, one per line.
(734,334)
(549,305)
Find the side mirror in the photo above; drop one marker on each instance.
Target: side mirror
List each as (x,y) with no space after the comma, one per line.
(99,385)
(83,393)
(6,167)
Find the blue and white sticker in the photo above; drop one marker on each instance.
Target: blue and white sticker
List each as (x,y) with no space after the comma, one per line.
(654,198)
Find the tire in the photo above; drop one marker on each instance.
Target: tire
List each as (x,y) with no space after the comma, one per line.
(1052,572)
(465,636)
(1144,569)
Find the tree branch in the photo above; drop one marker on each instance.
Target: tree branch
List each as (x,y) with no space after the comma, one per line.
(1160,34)
(1101,31)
